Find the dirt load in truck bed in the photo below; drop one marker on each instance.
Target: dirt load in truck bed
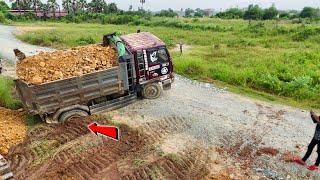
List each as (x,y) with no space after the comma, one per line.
(47,67)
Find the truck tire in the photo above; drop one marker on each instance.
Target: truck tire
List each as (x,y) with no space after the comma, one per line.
(152,91)
(72,114)
(5,172)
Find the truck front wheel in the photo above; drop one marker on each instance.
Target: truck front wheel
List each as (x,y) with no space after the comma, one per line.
(73,114)
(151,91)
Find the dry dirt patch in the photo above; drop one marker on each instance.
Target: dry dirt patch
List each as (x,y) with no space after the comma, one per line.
(12,128)
(70,151)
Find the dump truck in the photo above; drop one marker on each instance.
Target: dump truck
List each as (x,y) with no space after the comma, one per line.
(145,69)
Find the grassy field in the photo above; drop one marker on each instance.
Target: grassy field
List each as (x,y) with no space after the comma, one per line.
(273,60)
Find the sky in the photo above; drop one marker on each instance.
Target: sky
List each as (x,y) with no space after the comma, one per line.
(156,5)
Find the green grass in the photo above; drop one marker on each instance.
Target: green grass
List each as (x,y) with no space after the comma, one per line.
(6,97)
(274,60)
(138,163)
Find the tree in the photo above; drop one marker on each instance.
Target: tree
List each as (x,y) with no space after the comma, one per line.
(66,4)
(284,15)
(3,11)
(232,13)
(3,7)
(35,4)
(21,5)
(188,12)
(167,13)
(254,12)
(82,4)
(111,8)
(130,8)
(45,8)
(142,3)
(309,12)
(270,13)
(199,13)
(53,6)
(97,6)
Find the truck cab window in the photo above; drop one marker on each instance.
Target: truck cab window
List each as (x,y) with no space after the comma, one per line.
(158,56)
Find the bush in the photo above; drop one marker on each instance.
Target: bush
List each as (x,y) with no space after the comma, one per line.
(85,41)
(270,83)
(305,33)
(6,98)
(2,18)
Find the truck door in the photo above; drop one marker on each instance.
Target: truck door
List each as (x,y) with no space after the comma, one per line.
(158,62)
(141,66)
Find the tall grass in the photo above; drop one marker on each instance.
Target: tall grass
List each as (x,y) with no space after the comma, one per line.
(6,98)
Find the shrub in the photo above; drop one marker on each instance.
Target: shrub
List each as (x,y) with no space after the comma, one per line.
(85,41)
(2,18)
(305,34)
(268,82)
(6,98)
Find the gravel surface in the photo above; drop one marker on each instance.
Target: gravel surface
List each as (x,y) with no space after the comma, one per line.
(218,118)
(8,42)
(214,113)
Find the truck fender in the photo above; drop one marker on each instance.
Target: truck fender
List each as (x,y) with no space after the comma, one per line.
(69,108)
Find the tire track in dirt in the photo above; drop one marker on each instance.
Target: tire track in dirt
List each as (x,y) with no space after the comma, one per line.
(158,129)
(189,165)
(93,160)
(21,157)
(80,155)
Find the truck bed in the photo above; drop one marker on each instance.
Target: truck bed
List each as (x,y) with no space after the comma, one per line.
(49,97)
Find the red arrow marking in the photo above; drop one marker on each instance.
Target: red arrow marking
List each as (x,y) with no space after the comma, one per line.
(108,131)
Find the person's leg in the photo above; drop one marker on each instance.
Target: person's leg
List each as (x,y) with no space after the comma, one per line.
(310,149)
(316,165)
(318,159)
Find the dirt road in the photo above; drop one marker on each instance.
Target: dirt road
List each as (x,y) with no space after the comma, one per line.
(8,42)
(194,130)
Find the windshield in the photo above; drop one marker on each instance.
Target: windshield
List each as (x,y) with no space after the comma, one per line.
(158,56)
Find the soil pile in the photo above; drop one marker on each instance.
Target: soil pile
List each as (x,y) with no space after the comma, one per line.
(47,67)
(12,128)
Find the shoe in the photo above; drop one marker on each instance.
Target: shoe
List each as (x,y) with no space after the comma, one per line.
(313,168)
(300,161)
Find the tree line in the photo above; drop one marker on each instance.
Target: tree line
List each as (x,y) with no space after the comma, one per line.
(71,6)
(254,12)
(82,11)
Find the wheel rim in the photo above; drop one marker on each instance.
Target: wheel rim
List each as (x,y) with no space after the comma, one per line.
(151,91)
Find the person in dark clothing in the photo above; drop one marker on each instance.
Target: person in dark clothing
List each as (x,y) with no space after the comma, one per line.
(315,141)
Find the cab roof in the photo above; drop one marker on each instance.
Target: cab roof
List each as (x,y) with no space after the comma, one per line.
(142,40)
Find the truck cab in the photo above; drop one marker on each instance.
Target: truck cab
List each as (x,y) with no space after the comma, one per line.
(153,63)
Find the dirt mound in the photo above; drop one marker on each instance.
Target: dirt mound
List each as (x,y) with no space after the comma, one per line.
(12,128)
(47,67)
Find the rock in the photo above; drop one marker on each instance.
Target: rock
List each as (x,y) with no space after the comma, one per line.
(42,64)
(37,80)
(58,74)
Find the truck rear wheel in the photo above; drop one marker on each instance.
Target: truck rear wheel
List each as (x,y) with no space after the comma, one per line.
(72,114)
(151,91)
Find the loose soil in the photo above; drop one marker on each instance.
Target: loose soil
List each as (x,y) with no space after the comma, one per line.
(47,67)
(12,128)
(69,150)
